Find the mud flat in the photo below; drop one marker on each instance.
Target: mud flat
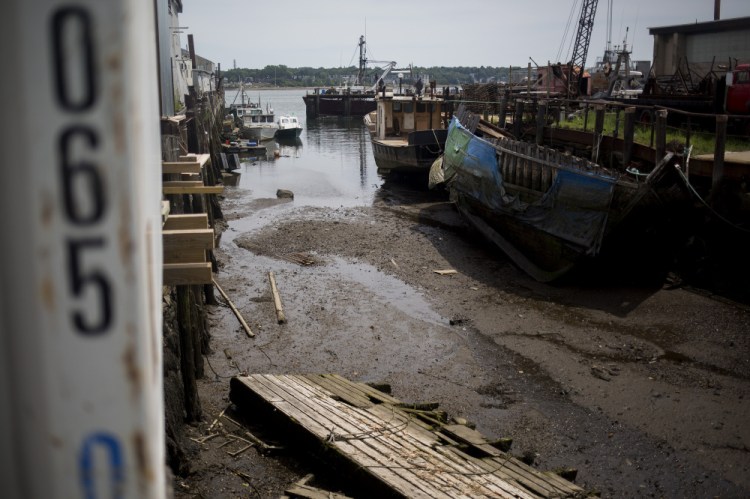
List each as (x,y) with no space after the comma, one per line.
(643,390)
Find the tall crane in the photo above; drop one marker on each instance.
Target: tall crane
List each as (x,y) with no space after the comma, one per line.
(581,46)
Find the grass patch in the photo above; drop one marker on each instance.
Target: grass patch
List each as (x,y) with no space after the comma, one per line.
(702,142)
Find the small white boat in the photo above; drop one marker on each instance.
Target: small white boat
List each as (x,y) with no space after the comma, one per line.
(288,127)
(258,125)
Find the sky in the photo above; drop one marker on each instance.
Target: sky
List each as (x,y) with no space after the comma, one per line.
(325,33)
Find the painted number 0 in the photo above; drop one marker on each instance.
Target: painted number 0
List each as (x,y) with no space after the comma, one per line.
(82,186)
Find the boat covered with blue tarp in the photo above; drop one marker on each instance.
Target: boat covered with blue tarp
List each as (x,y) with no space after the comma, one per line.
(550,211)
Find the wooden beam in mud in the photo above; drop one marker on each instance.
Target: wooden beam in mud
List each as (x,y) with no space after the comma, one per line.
(281,318)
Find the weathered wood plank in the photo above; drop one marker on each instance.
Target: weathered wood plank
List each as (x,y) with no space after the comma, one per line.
(186,221)
(352,397)
(370,391)
(201,159)
(190,187)
(173,167)
(382,466)
(374,439)
(382,439)
(175,274)
(468,469)
(184,255)
(388,444)
(177,240)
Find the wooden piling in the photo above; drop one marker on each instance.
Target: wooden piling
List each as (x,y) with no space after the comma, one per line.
(660,131)
(628,132)
(518,118)
(598,129)
(503,109)
(721,140)
(541,118)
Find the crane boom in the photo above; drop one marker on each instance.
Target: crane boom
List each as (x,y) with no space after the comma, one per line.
(581,46)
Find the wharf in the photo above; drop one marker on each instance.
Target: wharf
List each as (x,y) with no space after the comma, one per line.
(392,448)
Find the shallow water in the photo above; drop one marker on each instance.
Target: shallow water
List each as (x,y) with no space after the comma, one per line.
(331,165)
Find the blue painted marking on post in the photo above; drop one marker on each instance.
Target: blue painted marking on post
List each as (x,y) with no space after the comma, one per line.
(87,466)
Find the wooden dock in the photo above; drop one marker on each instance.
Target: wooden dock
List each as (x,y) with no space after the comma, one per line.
(408,451)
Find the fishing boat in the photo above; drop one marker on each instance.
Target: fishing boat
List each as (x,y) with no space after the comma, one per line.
(257,124)
(289,127)
(355,97)
(407,132)
(551,212)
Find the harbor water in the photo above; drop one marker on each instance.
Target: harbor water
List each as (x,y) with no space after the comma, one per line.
(330,165)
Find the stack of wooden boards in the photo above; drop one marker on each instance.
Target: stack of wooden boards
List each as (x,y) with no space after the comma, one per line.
(391,448)
(187,237)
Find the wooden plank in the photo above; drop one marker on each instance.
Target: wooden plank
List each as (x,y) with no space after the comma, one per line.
(183,255)
(379,434)
(170,167)
(201,159)
(186,221)
(368,390)
(376,465)
(175,240)
(465,477)
(190,187)
(389,445)
(469,469)
(357,399)
(187,273)
(280,317)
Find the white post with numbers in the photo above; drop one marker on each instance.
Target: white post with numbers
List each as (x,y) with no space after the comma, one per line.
(81,398)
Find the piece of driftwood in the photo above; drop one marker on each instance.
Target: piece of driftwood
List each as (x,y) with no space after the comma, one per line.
(280,317)
(217,419)
(237,313)
(445,272)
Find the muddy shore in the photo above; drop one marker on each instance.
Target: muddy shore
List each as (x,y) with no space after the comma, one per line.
(643,390)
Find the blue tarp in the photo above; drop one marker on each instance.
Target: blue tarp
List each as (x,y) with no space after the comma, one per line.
(574,208)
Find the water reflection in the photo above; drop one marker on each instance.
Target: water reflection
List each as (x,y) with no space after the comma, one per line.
(329,165)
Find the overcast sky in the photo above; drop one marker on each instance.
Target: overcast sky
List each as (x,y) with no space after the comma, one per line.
(324,33)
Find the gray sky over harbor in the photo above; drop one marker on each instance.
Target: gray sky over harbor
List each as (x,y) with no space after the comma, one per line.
(324,33)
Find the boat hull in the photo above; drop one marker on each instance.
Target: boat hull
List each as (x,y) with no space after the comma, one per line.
(258,133)
(551,213)
(412,155)
(338,104)
(288,133)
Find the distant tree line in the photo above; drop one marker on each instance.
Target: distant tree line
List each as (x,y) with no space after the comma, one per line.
(283,76)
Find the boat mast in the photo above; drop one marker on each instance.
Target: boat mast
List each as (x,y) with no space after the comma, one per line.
(362,60)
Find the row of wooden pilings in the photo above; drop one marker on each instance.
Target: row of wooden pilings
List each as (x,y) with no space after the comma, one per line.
(658,132)
(186,332)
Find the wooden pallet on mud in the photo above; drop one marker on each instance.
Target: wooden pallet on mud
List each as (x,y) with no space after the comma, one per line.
(399,449)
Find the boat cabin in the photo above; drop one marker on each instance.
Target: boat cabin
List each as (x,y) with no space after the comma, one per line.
(256,115)
(399,115)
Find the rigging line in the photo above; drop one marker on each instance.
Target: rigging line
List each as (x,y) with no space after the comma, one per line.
(355,53)
(565,33)
(574,35)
